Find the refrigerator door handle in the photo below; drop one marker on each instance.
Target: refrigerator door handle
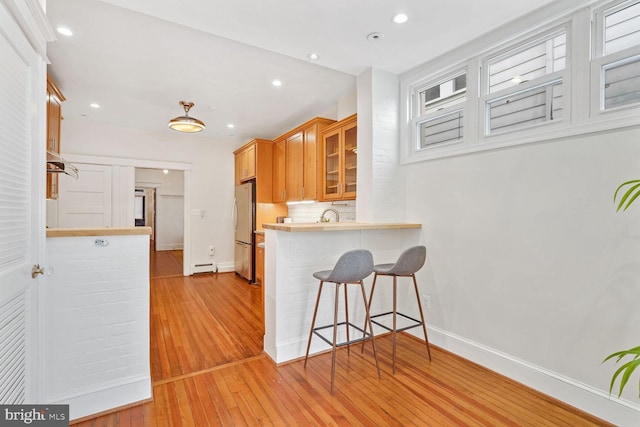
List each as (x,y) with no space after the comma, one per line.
(234,214)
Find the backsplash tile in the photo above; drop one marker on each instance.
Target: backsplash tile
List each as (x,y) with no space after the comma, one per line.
(311,212)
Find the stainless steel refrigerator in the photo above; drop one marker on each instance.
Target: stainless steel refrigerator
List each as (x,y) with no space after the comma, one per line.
(244,222)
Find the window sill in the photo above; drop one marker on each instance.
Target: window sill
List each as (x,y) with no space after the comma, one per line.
(602,123)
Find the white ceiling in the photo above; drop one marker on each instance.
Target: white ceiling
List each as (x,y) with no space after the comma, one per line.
(137,59)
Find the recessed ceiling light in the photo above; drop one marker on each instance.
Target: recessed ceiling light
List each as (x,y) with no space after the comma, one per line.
(313,56)
(400,18)
(516,79)
(65,31)
(375,36)
(276,83)
(231,126)
(165,171)
(94,105)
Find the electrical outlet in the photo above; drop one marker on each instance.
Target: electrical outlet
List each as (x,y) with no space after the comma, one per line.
(212,250)
(426,301)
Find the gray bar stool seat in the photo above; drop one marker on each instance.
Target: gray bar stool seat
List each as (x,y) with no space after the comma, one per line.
(351,268)
(409,262)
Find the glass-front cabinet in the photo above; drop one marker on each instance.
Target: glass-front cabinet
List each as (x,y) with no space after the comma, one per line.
(339,160)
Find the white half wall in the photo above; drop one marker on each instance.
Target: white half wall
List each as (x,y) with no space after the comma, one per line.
(96,323)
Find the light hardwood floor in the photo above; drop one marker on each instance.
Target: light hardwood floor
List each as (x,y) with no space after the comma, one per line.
(208,369)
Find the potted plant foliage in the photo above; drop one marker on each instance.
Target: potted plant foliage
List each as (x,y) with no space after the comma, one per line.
(629,192)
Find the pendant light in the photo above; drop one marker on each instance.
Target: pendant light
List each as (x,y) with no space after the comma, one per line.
(186,123)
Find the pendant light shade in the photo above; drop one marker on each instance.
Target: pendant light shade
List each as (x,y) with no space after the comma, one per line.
(186,123)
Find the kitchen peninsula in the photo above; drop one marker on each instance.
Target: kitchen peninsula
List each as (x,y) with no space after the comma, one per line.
(295,251)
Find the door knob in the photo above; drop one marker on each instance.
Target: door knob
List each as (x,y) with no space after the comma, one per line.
(45,271)
(35,270)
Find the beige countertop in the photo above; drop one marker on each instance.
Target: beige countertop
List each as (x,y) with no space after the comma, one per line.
(76,232)
(339,226)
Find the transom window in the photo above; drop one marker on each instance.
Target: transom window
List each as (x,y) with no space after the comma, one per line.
(617,62)
(621,27)
(576,73)
(528,84)
(440,115)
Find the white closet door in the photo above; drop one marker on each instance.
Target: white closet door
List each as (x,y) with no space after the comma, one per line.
(21,230)
(86,201)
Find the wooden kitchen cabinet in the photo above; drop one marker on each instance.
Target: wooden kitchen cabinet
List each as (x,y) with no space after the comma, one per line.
(339,162)
(296,162)
(259,258)
(245,163)
(294,171)
(258,154)
(54,119)
(279,165)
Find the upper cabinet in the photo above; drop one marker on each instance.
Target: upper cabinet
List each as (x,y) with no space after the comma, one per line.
(253,161)
(295,170)
(246,163)
(339,163)
(279,160)
(54,118)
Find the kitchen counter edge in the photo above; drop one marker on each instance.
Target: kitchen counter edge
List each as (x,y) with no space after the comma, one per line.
(77,232)
(339,226)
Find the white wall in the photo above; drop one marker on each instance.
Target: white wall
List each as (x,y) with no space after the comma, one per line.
(527,256)
(211,175)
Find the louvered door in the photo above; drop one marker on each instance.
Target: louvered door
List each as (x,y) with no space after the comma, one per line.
(22,179)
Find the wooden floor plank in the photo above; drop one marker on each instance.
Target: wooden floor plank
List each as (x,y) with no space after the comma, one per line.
(209,370)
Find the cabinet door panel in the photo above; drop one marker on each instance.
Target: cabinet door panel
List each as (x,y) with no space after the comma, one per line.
(331,165)
(294,167)
(350,162)
(249,162)
(310,172)
(279,149)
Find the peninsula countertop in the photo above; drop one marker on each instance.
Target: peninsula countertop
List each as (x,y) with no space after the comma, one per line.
(339,226)
(77,232)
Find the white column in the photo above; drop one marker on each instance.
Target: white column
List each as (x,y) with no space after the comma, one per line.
(380,187)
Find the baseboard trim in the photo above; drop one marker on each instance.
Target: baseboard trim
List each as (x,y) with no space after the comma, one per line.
(169,246)
(88,403)
(111,411)
(582,396)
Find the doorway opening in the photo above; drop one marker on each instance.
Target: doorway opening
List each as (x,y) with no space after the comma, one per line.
(160,205)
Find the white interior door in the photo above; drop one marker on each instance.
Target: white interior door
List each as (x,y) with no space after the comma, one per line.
(86,201)
(22,148)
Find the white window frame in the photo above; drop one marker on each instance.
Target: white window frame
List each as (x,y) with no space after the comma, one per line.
(600,62)
(417,119)
(547,80)
(581,77)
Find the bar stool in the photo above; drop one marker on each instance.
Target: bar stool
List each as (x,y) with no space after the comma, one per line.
(410,261)
(352,267)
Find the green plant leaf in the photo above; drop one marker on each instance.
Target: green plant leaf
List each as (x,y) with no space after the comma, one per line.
(629,196)
(625,370)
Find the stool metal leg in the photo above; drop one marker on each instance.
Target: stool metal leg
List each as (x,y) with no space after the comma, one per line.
(368,320)
(424,327)
(313,323)
(368,307)
(395,326)
(335,334)
(346,313)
